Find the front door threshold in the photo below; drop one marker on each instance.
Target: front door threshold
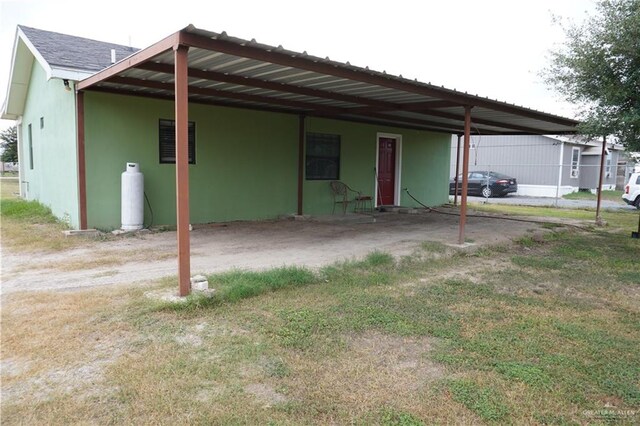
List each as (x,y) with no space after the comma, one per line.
(400,209)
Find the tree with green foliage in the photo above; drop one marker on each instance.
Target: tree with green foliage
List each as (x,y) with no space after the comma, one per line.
(598,68)
(9,145)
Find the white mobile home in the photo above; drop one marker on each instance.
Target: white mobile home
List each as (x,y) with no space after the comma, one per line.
(545,166)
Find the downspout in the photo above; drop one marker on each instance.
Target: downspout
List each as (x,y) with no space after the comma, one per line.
(20,157)
(560,165)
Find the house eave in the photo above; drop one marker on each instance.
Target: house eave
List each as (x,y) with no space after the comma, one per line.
(8,116)
(69,74)
(24,54)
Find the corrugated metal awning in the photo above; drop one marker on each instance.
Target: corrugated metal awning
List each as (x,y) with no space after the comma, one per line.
(592,150)
(234,72)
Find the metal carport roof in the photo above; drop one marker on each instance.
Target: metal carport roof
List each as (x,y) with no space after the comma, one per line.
(230,71)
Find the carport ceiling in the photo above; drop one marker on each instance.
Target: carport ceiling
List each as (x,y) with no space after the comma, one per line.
(229,71)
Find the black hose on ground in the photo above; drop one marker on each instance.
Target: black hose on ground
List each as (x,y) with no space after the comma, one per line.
(515,219)
(150,210)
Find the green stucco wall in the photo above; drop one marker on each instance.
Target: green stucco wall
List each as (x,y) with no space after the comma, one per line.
(424,165)
(246,161)
(53,179)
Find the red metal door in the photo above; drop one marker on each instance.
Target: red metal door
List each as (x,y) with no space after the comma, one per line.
(386,171)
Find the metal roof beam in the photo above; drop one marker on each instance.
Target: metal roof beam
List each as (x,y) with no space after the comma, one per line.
(380,122)
(205,91)
(428,105)
(139,57)
(298,105)
(269,85)
(410,106)
(373,105)
(418,121)
(167,97)
(384,120)
(484,121)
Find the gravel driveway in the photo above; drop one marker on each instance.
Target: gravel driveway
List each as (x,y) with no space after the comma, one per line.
(243,245)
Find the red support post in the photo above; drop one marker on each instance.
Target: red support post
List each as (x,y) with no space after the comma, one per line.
(182,167)
(465,173)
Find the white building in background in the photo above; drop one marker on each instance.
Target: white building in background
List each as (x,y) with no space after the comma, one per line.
(544,166)
(8,167)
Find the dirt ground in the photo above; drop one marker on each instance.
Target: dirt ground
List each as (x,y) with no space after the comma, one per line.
(244,245)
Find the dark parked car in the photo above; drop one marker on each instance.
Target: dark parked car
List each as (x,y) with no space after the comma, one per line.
(486,184)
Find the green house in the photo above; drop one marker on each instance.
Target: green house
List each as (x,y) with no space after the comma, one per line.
(268,129)
(230,129)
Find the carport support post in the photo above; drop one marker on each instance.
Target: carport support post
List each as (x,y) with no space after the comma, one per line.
(82,171)
(182,167)
(301,132)
(602,158)
(465,172)
(455,178)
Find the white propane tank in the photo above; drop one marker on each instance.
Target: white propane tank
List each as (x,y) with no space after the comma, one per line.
(132,198)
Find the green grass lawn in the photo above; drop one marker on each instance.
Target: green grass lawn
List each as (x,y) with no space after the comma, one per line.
(585,195)
(9,188)
(544,330)
(616,220)
(29,225)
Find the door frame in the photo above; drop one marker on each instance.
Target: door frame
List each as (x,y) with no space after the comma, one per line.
(398,168)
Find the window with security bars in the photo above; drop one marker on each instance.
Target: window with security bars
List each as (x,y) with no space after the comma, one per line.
(167,132)
(322,156)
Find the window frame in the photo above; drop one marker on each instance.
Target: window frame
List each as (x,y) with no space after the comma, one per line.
(575,164)
(172,142)
(30,136)
(324,138)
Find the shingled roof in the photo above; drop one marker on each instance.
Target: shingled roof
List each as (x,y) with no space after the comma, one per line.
(78,53)
(61,56)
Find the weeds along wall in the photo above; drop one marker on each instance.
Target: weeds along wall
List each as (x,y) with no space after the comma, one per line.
(246,162)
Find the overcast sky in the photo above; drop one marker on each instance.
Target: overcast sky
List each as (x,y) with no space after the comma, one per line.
(493,48)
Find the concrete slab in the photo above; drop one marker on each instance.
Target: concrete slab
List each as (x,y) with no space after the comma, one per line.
(311,243)
(86,233)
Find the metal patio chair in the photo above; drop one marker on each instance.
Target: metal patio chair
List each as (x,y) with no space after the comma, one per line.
(341,191)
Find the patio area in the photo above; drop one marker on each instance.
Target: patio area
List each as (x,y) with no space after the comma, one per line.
(312,242)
